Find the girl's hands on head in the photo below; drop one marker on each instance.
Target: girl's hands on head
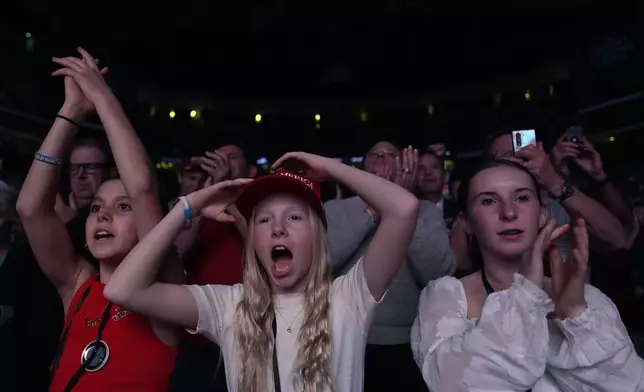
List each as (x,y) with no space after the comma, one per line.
(213,201)
(318,167)
(84,82)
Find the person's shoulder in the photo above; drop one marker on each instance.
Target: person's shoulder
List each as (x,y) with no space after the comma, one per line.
(443,294)
(343,204)
(429,209)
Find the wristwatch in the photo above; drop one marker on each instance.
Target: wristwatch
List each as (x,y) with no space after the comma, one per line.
(567,190)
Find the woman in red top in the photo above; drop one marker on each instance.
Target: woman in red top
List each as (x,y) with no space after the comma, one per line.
(103,347)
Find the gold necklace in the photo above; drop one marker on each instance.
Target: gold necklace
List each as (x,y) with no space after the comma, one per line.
(289,329)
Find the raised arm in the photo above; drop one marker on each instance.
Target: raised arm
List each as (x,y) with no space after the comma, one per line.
(397,208)
(49,240)
(601,223)
(133,284)
(130,156)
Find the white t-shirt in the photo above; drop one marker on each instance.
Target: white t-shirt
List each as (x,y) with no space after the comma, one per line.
(352,307)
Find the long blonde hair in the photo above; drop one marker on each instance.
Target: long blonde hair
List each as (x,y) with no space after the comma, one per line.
(255,315)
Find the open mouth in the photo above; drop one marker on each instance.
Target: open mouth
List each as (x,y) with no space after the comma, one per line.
(102,235)
(282,260)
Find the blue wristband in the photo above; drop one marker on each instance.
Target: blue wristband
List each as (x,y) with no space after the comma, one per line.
(46,159)
(187,212)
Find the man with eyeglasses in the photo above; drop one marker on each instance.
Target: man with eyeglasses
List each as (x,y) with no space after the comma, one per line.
(87,170)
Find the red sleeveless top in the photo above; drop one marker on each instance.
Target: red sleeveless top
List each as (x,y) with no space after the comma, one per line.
(138,360)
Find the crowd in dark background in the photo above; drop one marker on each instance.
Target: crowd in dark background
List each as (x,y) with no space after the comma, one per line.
(409,74)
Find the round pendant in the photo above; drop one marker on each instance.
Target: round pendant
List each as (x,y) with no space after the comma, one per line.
(95,356)
(289,330)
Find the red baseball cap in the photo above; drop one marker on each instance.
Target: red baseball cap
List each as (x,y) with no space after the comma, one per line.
(282,181)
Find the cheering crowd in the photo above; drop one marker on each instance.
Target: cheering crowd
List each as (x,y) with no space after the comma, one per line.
(251,282)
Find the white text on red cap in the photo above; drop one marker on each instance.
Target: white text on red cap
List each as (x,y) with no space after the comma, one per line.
(306,182)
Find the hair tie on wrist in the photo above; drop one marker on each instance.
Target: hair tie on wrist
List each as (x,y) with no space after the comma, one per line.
(69,120)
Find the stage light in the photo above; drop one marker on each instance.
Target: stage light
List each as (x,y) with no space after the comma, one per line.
(193,114)
(430,109)
(317,117)
(364,116)
(153,111)
(612,139)
(258,118)
(28,35)
(172,114)
(317,126)
(527,95)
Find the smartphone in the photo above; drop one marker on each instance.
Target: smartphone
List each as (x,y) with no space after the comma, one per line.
(574,134)
(523,138)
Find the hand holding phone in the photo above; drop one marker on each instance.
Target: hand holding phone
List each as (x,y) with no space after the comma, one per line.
(523,138)
(574,134)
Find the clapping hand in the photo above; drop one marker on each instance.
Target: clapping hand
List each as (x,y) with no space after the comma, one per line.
(569,278)
(216,165)
(532,267)
(84,83)
(406,168)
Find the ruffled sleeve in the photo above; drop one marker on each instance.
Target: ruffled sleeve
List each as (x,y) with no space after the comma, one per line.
(505,351)
(594,352)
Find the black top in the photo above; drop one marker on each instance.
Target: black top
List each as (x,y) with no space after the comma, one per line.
(30,338)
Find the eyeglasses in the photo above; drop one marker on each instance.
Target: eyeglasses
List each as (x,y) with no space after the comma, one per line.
(93,168)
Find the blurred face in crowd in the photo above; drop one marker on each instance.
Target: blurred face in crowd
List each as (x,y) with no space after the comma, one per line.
(503,212)
(239,166)
(87,171)
(381,158)
(283,234)
(431,175)
(502,147)
(191,181)
(109,230)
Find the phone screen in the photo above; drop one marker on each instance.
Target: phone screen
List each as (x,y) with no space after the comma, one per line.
(574,134)
(523,138)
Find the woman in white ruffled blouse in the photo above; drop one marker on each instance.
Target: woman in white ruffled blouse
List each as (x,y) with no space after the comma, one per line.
(508,327)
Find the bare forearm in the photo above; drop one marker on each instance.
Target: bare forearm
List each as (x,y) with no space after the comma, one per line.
(129,153)
(139,269)
(38,193)
(599,220)
(612,198)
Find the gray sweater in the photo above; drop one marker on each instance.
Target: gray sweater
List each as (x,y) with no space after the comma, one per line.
(429,257)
